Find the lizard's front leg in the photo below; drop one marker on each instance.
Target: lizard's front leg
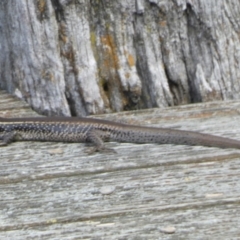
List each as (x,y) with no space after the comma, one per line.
(96,137)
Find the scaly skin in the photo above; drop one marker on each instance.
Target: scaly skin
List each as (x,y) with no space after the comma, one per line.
(67,129)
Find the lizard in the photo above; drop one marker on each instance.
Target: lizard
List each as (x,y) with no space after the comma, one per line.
(96,131)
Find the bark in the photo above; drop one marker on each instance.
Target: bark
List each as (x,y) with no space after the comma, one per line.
(80,57)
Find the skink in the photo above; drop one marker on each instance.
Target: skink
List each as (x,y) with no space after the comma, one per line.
(95,131)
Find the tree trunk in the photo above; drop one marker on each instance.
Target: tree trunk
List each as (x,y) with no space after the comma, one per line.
(80,57)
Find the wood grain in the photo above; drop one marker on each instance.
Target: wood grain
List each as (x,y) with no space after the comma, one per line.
(56,190)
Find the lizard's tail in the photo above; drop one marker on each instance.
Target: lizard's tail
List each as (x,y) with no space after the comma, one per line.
(138,134)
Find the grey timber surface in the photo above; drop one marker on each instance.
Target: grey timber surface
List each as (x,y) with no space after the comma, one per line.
(58,191)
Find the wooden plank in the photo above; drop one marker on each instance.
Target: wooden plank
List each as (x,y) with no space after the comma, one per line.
(13,107)
(58,191)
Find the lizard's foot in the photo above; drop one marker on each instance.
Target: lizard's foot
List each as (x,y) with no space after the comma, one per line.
(100,150)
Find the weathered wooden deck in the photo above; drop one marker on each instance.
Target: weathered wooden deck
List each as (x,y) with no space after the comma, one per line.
(57,191)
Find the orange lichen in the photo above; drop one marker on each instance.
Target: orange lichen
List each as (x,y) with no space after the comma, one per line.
(41,5)
(110,52)
(131,60)
(163,23)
